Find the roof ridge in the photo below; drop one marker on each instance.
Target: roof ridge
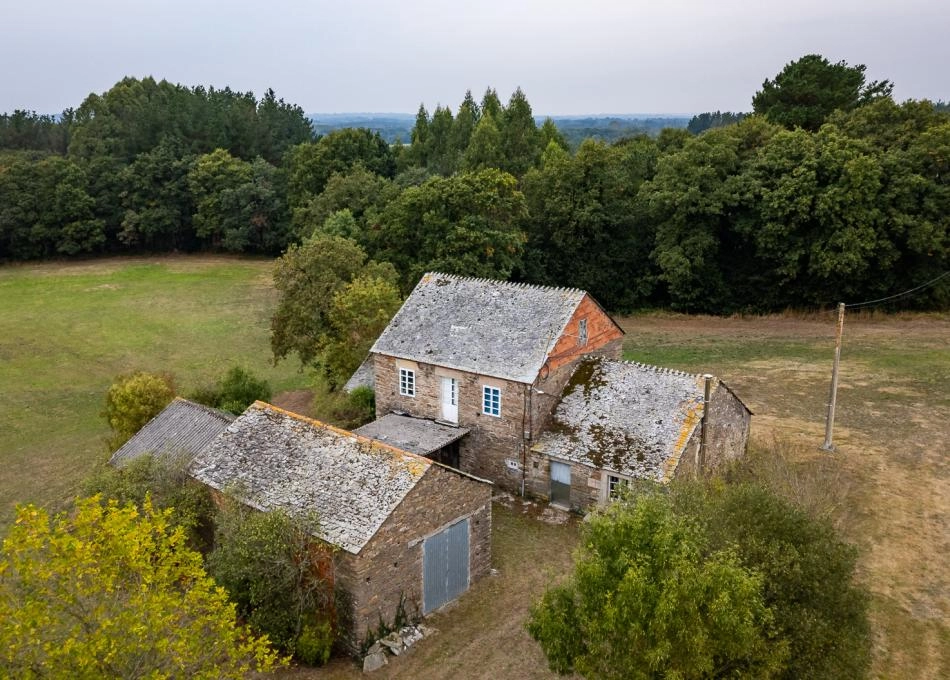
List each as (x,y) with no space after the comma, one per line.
(656,369)
(210,410)
(363,439)
(501,282)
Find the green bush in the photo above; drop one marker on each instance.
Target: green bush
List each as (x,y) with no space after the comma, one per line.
(167,481)
(237,390)
(315,643)
(132,401)
(266,562)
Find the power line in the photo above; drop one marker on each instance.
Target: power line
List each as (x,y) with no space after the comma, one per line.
(898,295)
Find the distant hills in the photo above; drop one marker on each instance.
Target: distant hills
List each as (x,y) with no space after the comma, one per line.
(607,127)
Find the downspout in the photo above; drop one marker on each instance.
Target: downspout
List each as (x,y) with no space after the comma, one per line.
(701,454)
(525,420)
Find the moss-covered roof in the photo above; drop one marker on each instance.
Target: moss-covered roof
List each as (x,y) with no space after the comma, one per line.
(625,417)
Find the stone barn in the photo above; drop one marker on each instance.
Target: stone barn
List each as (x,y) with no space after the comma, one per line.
(406,531)
(619,421)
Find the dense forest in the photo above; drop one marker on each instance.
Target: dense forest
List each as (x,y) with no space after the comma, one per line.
(827,190)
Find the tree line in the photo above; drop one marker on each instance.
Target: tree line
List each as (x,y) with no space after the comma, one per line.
(828,190)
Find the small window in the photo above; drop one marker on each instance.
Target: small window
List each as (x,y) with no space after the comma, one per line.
(491,400)
(582,332)
(616,486)
(407,382)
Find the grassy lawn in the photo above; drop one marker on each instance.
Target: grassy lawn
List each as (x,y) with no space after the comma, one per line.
(67,329)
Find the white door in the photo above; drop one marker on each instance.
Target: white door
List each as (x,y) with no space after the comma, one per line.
(450,400)
(560,484)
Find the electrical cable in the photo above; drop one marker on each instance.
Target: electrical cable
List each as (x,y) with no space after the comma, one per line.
(898,295)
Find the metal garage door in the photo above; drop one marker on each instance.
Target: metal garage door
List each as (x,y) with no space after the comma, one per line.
(445,566)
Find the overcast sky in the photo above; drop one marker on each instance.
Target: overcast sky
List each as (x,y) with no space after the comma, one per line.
(593,56)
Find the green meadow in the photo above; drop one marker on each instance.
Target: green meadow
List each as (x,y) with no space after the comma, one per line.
(66,330)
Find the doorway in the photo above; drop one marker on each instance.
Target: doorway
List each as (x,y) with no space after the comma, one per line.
(450,400)
(560,484)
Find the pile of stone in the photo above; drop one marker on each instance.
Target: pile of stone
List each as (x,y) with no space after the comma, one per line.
(396,643)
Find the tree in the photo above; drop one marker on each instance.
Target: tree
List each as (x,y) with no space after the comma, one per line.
(359,312)
(484,148)
(469,224)
(441,157)
(705,121)
(549,133)
(820,614)
(585,226)
(132,401)
(306,278)
(361,192)
(648,599)
(113,592)
(271,566)
(519,137)
(808,90)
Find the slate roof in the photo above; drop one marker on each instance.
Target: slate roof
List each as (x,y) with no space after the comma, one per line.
(416,435)
(625,417)
(364,376)
(277,459)
(493,328)
(183,427)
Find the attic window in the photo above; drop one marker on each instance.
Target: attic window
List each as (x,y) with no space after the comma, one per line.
(582,332)
(491,400)
(407,382)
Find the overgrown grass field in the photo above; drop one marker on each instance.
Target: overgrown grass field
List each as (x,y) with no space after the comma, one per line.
(67,330)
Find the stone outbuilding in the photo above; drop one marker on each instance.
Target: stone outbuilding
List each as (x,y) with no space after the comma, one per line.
(182,428)
(407,532)
(619,421)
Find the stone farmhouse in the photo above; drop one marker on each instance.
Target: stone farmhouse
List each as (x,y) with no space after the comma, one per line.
(402,530)
(522,385)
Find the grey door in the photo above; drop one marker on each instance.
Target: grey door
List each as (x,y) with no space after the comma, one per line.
(560,483)
(445,566)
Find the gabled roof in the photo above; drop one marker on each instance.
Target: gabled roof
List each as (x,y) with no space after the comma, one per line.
(364,376)
(277,459)
(625,417)
(182,428)
(416,435)
(492,328)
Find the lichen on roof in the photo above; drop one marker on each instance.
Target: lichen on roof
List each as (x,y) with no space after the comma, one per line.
(493,328)
(625,417)
(181,428)
(281,460)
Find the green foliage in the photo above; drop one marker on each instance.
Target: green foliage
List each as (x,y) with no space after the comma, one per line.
(705,121)
(361,192)
(808,90)
(363,401)
(820,614)
(469,224)
(315,643)
(114,591)
(359,311)
(649,599)
(484,149)
(308,278)
(268,563)
(132,401)
(165,481)
(235,391)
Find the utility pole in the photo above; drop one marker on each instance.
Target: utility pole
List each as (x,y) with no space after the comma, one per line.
(833,398)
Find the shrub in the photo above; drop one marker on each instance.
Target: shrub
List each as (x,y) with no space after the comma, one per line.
(270,564)
(166,481)
(315,643)
(113,591)
(133,400)
(237,390)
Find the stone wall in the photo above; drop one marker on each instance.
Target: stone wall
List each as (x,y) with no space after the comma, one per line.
(727,433)
(586,482)
(493,448)
(388,570)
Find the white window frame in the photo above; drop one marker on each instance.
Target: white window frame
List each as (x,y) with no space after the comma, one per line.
(582,332)
(491,401)
(614,484)
(407,382)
